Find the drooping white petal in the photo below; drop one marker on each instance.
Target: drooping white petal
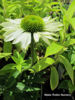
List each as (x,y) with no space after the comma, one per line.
(21,37)
(51,38)
(8,32)
(36,37)
(46,40)
(13,35)
(46,36)
(26,41)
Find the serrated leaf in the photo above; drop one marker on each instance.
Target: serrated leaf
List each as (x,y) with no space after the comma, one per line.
(42,64)
(53,49)
(68,66)
(54,78)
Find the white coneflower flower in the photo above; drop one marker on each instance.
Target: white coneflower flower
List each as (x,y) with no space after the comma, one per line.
(18,30)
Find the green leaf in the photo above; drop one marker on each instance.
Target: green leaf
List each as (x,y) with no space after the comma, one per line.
(69,42)
(20,86)
(54,78)
(62,35)
(72,22)
(68,66)
(26,66)
(53,49)
(73,59)
(31,89)
(71,87)
(7,68)
(17,58)
(71,9)
(19,67)
(2,55)
(14,74)
(1,18)
(7,47)
(72,41)
(73,67)
(68,15)
(42,64)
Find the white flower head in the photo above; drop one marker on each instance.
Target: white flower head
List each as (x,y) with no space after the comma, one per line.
(18,30)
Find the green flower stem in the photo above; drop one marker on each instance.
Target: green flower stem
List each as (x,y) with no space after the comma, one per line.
(32,48)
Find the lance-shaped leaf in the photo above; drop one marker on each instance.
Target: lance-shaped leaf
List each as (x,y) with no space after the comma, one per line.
(54,78)
(7,68)
(69,42)
(53,49)
(72,41)
(42,64)
(71,9)
(2,55)
(68,66)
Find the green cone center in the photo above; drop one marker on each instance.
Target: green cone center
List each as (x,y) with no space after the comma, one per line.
(32,23)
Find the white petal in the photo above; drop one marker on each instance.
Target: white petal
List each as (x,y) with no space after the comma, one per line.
(15,21)
(46,33)
(13,35)
(46,19)
(8,32)
(53,27)
(46,40)
(26,41)
(21,37)
(7,26)
(49,34)
(11,24)
(46,36)
(36,37)
(50,37)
